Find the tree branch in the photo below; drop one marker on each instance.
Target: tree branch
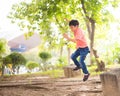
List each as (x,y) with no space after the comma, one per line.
(84,10)
(59,23)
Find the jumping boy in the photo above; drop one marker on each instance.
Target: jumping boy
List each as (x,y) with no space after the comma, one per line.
(81,48)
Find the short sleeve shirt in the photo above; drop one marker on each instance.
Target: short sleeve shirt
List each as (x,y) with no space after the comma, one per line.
(80,38)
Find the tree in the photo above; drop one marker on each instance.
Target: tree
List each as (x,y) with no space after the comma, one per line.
(31,65)
(45,56)
(92,11)
(40,14)
(4,50)
(17,59)
(7,60)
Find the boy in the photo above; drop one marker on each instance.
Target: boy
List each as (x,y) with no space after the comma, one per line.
(82,48)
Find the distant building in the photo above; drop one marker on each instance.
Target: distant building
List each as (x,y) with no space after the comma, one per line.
(21,44)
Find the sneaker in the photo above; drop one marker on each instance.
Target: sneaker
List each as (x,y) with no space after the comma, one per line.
(76,68)
(86,76)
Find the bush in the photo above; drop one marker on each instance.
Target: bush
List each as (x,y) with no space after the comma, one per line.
(31,65)
(17,59)
(45,56)
(7,60)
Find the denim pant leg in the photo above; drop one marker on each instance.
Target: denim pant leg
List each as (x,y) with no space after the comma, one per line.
(83,65)
(74,58)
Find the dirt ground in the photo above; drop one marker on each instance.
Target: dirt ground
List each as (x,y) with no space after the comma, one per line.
(46,86)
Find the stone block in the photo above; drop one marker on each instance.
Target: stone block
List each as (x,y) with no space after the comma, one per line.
(111,82)
(68,71)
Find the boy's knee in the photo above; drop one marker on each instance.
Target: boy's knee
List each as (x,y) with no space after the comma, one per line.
(82,58)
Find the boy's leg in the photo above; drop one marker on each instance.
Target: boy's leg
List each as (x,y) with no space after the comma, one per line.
(74,58)
(84,68)
(83,65)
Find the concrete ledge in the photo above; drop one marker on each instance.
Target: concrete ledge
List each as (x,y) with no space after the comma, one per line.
(111,82)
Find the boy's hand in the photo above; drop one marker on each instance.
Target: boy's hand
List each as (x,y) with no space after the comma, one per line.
(65,36)
(68,38)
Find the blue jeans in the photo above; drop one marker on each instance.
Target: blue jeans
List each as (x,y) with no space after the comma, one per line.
(82,52)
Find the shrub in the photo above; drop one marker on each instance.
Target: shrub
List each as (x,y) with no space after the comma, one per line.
(31,65)
(45,56)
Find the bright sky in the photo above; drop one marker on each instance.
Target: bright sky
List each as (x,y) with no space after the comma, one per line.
(8,30)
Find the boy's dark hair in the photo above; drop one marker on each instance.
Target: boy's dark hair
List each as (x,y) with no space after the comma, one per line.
(74,23)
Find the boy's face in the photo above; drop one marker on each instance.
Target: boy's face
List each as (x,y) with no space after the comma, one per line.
(73,28)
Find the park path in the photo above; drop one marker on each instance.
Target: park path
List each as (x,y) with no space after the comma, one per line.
(45,86)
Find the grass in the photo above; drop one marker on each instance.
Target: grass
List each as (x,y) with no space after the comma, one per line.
(53,73)
(60,72)
(56,73)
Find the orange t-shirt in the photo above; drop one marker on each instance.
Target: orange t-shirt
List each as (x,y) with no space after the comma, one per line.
(80,38)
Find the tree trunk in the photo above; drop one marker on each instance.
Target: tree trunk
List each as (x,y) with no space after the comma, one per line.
(18,69)
(88,28)
(89,35)
(100,63)
(68,55)
(90,23)
(45,66)
(3,68)
(13,69)
(92,39)
(91,30)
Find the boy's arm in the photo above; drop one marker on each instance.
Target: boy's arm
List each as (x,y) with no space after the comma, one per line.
(68,38)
